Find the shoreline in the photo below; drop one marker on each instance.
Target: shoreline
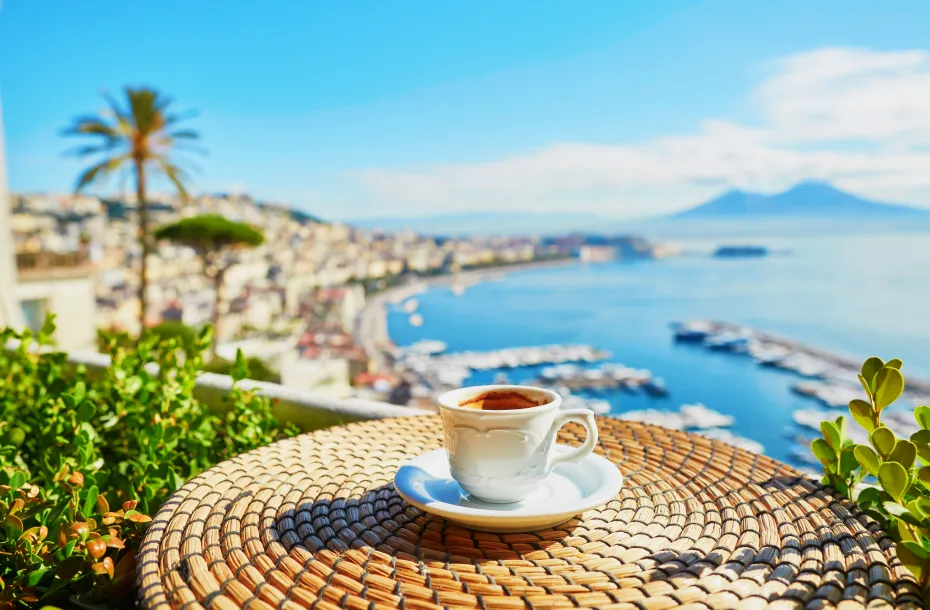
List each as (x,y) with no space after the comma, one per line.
(371,331)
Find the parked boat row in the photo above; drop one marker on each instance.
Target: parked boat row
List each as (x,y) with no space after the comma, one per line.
(516,356)
(439,370)
(768,350)
(696,418)
(830,393)
(606,376)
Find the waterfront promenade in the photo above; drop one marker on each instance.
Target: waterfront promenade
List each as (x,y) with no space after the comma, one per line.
(371,330)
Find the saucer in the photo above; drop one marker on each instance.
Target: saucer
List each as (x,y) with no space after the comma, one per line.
(569,490)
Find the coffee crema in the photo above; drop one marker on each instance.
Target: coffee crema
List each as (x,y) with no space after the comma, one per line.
(501,400)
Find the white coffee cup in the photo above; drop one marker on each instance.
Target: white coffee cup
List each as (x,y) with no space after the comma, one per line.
(502,456)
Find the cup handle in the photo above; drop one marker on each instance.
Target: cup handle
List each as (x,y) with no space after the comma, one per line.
(586,419)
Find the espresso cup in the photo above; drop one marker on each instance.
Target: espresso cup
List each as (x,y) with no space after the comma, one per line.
(503,455)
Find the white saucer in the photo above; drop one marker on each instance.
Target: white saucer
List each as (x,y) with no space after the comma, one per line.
(571,489)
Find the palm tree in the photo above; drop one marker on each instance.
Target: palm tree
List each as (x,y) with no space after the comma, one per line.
(138,137)
(213,238)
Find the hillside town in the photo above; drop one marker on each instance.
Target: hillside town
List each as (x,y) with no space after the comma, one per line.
(293,301)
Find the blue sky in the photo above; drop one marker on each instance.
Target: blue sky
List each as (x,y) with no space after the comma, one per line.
(393,109)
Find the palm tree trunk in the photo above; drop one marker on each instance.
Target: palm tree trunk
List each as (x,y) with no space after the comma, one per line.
(217,305)
(145,239)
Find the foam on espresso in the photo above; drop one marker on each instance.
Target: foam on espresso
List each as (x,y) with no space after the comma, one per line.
(502,400)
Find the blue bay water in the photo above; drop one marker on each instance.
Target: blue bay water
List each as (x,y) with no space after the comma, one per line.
(857,295)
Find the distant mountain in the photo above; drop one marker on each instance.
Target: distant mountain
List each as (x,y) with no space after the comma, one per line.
(486,223)
(806,200)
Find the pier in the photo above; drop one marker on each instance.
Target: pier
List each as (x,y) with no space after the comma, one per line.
(839,373)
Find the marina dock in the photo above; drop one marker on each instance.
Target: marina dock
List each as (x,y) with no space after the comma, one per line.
(836,375)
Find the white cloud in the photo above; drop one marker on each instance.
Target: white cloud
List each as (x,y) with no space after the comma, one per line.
(858,118)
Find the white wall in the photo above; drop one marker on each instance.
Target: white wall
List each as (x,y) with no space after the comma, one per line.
(9,306)
(72,301)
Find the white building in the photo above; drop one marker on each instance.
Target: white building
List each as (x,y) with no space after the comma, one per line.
(35,284)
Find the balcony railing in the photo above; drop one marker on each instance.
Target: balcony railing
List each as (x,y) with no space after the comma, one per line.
(52,265)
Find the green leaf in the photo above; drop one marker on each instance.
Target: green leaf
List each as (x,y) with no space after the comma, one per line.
(69,567)
(824,452)
(868,458)
(86,411)
(831,434)
(865,386)
(893,479)
(843,429)
(240,369)
(895,363)
(913,556)
(870,368)
(919,507)
(905,452)
(922,415)
(905,531)
(18,479)
(894,509)
(90,502)
(79,391)
(889,384)
(133,384)
(867,496)
(848,461)
(883,440)
(33,578)
(14,526)
(923,476)
(862,413)
(921,437)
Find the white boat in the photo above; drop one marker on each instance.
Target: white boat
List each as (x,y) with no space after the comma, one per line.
(728,341)
(697,330)
(734,439)
(767,354)
(410,305)
(803,364)
(655,387)
(416,320)
(700,417)
(666,419)
(427,347)
(501,379)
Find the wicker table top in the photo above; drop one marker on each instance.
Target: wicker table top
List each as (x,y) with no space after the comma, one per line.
(314,521)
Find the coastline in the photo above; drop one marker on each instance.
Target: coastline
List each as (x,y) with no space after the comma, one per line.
(371,331)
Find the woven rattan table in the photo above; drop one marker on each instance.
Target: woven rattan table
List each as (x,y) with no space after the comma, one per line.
(314,521)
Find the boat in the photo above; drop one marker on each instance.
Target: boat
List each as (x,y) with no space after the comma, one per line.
(731,438)
(655,387)
(428,347)
(741,251)
(768,354)
(410,305)
(728,342)
(831,394)
(416,320)
(695,331)
(501,379)
(700,417)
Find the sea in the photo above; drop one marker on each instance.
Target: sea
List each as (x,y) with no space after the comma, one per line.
(853,294)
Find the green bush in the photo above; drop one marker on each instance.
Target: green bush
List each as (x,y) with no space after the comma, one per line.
(85,460)
(259,370)
(169,329)
(900,501)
